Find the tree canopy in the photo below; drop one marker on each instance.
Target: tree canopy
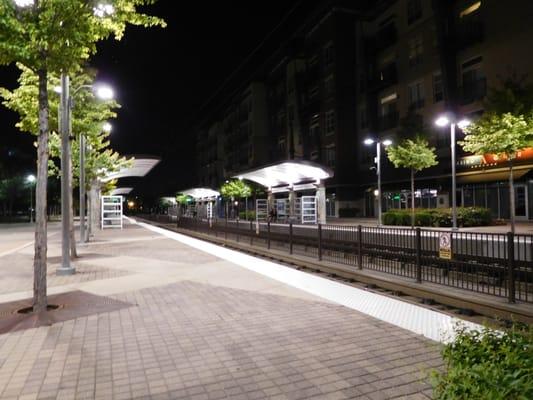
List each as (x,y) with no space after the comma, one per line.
(235,189)
(60,35)
(414,154)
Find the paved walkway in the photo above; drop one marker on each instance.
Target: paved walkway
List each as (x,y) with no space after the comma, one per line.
(199,327)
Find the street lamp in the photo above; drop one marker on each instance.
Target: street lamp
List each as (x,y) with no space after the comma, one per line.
(65,111)
(443,121)
(31,180)
(386,142)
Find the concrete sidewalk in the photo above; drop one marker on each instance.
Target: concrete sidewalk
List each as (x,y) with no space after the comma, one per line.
(199,327)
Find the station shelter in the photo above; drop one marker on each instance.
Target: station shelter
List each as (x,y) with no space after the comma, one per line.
(296,191)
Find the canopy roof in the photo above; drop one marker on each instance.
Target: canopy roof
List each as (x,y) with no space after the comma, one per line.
(201,193)
(139,167)
(119,191)
(287,173)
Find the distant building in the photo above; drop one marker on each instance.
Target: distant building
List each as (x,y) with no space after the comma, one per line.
(356,69)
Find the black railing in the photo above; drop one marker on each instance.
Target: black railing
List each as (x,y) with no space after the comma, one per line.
(490,263)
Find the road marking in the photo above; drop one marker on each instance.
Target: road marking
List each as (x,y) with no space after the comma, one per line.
(429,323)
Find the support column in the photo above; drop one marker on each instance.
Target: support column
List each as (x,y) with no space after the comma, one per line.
(321,203)
(292,201)
(270,201)
(95,207)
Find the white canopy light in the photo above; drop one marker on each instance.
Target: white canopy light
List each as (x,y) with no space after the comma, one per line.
(119,191)
(287,173)
(201,193)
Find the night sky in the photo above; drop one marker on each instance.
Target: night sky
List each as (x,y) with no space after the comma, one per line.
(163,77)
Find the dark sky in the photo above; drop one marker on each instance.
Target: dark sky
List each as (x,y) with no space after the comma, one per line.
(162,77)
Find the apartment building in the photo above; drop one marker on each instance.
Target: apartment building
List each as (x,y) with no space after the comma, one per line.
(420,59)
(352,70)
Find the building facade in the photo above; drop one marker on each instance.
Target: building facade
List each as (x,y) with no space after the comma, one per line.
(373,69)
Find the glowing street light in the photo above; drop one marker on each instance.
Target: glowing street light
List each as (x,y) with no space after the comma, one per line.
(107,127)
(386,142)
(31,180)
(443,121)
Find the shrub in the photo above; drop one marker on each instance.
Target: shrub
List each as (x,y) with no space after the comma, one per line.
(487,364)
(469,216)
(390,217)
(250,214)
(423,218)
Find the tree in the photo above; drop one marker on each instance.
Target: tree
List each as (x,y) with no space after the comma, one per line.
(236,189)
(416,155)
(504,135)
(53,37)
(505,128)
(89,115)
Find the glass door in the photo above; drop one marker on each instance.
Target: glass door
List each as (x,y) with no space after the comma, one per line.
(521,206)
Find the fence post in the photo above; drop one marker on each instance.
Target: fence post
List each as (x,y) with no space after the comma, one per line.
(251,233)
(268,235)
(359,246)
(418,244)
(238,226)
(226,230)
(290,237)
(319,242)
(510,265)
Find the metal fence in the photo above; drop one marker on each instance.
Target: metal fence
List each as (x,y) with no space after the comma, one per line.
(499,264)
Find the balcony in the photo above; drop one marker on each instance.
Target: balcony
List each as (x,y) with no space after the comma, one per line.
(416,104)
(386,37)
(388,121)
(473,91)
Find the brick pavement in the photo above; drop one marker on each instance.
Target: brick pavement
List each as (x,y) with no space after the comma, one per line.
(219,332)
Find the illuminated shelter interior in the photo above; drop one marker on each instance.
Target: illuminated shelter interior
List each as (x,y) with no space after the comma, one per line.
(201,194)
(292,176)
(204,199)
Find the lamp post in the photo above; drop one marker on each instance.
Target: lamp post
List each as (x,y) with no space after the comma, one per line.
(443,121)
(65,112)
(385,143)
(31,180)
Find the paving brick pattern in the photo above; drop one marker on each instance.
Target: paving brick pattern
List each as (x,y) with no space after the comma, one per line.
(17,280)
(189,340)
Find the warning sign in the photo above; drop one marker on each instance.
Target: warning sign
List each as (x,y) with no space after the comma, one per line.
(445,245)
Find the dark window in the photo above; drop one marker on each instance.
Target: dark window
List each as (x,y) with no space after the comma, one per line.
(438,93)
(416,49)
(328,55)
(414,11)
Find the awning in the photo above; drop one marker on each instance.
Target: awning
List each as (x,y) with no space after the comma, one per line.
(287,173)
(201,193)
(119,191)
(490,175)
(139,167)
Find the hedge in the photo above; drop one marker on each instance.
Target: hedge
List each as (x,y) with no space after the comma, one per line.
(466,216)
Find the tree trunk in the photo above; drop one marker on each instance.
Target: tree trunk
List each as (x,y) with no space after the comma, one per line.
(39,259)
(73,252)
(511,196)
(412,198)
